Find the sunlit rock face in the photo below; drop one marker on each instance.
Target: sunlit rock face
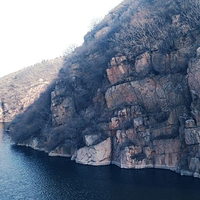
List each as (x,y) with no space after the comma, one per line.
(157,124)
(151,124)
(154,93)
(99,154)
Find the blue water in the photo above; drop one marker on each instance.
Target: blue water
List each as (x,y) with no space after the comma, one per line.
(26,174)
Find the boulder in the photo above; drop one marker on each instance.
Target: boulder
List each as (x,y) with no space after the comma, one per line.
(99,154)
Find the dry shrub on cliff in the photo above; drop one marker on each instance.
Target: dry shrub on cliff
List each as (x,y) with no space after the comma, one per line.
(139,35)
(190,10)
(94,23)
(154,30)
(84,73)
(70,49)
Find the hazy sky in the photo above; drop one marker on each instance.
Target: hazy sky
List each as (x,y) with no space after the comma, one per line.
(33,30)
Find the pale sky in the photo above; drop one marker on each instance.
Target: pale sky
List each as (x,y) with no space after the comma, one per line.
(36,30)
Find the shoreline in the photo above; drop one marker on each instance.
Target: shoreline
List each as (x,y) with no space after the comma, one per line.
(177,170)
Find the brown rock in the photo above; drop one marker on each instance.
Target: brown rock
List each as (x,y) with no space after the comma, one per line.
(99,154)
(145,92)
(120,94)
(119,70)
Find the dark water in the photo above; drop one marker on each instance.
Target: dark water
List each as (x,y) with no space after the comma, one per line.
(28,174)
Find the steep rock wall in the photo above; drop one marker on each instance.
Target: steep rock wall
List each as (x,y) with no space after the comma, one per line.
(154,123)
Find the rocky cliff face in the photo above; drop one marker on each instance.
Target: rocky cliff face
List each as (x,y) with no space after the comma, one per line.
(137,106)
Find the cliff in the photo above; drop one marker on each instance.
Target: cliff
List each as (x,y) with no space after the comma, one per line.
(20,89)
(129,96)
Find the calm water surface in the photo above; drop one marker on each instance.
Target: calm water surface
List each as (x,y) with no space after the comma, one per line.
(31,175)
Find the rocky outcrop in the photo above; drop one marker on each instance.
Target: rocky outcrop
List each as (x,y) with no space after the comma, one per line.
(191,134)
(153,93)
(151,126)
(119,70)
(99,154)
(62,108)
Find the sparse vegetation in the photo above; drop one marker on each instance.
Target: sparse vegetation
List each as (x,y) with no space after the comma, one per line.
(190,10)
(94,23)
(70,49)
(156,30)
